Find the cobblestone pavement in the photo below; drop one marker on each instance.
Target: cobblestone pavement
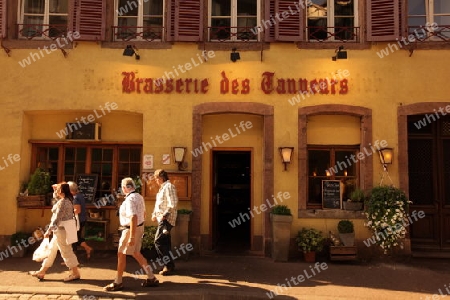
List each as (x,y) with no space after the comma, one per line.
(234,277)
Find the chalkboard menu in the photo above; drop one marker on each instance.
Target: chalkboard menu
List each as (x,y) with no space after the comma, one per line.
(331,194)
(87,184)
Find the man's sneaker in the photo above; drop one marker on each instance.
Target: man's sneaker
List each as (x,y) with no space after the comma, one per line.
(166,271)
(150,282)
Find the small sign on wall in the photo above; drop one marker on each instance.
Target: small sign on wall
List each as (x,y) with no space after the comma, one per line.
(148,162)
(166,159)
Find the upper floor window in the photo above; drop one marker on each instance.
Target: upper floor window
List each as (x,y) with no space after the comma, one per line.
(429,19)
(43,19)
(139,20)
(331,20)
(233,20)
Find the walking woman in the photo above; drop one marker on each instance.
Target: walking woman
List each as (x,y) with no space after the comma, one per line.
(64,230)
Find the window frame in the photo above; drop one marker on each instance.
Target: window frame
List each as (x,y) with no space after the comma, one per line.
(59,173)
(332,149)
(432,34)
(46,26)
(330,24)
(140,23)
(234,36)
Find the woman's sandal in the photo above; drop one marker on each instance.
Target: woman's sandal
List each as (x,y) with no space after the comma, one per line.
(72,277)
(88,253)
(36,274)
(113,287)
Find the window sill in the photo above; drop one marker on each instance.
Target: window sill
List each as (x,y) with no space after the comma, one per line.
(35,44)
(333,45)
(330,214)
(138,44)
(228,46)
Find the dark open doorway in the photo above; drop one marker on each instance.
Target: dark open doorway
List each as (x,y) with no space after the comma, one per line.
(231,220)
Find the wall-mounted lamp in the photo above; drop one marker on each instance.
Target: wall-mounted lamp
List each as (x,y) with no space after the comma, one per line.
(131,50)
(178,156)
(386,155)
(234,56)
(286,155)
(340,54)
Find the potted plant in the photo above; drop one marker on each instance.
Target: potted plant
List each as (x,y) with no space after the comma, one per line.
(16,242)
(180,233)
(37,188)
(386,209)
(309,241)
(356,200)
(281,220)
(346,232)
(148,242)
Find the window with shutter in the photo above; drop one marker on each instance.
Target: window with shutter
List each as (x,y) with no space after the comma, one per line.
(383,22)
(139,21)
(233,20)
(40,19)
(2,18)
(90,19)
(429,20)
(188,21)
(289,21)
(333,20)
(267,26)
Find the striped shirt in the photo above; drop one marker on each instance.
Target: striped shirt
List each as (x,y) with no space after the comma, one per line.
(166,203)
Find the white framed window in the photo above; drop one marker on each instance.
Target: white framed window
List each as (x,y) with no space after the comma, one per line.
(43,19)
(139,20)
(332,20)
(233,20)
(433,15)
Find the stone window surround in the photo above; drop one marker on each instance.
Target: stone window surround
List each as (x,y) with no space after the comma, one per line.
(366,165)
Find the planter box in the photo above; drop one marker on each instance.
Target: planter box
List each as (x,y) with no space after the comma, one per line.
(281,236)
(354,206)
(180,234)
(30,201)
(348,239)
(342,253)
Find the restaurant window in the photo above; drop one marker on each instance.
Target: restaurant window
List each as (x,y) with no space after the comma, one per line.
(43,19)
(111,163)
(332,20)
(331,163)
(233,20)
(423,13)
(139,20)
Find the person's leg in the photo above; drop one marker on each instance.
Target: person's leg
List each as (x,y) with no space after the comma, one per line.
(121,262)
(151,279)
(70,259)
(82,241)
(163,245)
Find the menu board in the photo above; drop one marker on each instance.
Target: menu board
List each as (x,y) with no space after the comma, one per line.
(331,194)
(87,184)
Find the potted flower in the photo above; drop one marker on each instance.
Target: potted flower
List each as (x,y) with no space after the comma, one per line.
(356,200)
(148,242)
(346,232)
(36,190)
(309,241)
(17,242)
(281,220)
(386,213)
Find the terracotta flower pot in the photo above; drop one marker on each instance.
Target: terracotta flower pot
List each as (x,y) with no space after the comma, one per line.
(309,256)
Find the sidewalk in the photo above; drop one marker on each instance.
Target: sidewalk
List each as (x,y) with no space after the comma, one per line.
(233,277)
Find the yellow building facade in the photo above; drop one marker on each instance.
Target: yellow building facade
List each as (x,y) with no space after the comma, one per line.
(231,116)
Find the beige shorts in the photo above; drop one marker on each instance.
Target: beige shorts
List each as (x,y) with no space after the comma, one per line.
(123,242)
